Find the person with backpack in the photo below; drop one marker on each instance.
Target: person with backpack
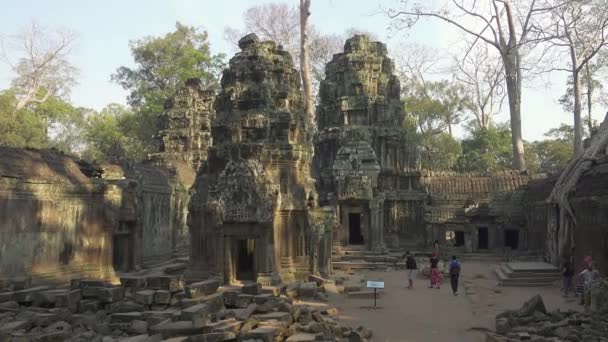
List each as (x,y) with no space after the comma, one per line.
(411,268)
(454,274)
(567,275)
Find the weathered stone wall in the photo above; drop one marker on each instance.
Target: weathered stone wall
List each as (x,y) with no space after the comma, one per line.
(468,202)
(250,201)
(590,205)
(54,220)
(364,162)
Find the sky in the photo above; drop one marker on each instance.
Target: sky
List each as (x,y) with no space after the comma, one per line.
(106,27)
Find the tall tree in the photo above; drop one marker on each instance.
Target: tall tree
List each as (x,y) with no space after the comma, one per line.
(164,64)
(582,29)
(500,24)
(482,77)
(304,64)
(42,67)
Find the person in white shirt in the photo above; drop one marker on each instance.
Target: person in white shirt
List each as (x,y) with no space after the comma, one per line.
(589,275)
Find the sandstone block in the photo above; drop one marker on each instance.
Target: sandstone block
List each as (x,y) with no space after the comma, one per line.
(9,327)
(28,295)
(252,289)
(308,290)
(263,298)
(227,325)
(213,337)
(265,334)
(202,288)
(162,297)
(533,304)
(110,294)
(275,316)
(178,328)
(138,327)
(244,314)
(7,296)
(301,337)
(69,299)
(197,313)
(144,297)
(136,283)
(171,283)
(125,317)
(56,336)
(88,305)
(47,298)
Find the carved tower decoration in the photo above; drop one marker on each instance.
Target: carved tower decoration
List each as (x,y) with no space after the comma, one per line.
(249,210)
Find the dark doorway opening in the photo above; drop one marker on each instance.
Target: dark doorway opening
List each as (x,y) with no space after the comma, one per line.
(244,259)
(512,238)
(121,252)
(354,229)
(482,238)
(459,238)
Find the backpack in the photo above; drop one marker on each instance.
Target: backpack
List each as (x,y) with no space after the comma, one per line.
(410,263)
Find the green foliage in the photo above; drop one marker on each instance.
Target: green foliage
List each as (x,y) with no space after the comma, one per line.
(110,134)
(436,105)
(553,154)
(486,149)
(164,64)
(22,128)
(439,152)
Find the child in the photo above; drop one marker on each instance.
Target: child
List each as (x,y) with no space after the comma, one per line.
(411,267)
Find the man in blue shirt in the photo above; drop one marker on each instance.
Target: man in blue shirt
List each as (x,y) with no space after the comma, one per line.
(454,274)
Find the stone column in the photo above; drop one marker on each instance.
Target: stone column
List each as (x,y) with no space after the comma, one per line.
(264,254)
(377,224)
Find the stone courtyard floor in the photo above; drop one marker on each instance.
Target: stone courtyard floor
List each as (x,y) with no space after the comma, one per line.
(429,315)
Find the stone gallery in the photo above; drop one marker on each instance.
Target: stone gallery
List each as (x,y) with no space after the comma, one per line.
(249,189)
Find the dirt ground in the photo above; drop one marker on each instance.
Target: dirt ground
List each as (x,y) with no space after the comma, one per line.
(429,315)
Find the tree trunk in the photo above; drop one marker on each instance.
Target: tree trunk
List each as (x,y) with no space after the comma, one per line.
(514,95)
(304,64)
(578,125)
(589,97)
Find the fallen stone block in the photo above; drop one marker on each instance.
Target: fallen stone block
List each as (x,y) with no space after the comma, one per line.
(7,296)
(68,299)
(144,297)
(28,295)
(244,314)
(291,290)
(125,317)
(86,283)
(275,316)
(57,336)
(59,326)
(47,298)
(111,294)
(307,290)
(136,283)
(273,290)
(198,313)
(302,337)
(202,288)
(227,325)
(171,283)
(140,338)
(252,289)
(178,328)
(9,327)
(88,305)
(162,297)
(125,306)
(532,305)
(44,319)
(138,327)
(263,298)
(213,337)
(265,334)
(20,283)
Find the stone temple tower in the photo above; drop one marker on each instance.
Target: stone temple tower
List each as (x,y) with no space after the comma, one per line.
(364,163)
(253,214)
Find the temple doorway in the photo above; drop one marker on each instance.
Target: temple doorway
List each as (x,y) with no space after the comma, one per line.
(458,238)
(121,252)
(482,238)
(245,266)
(355,237)
(512,238)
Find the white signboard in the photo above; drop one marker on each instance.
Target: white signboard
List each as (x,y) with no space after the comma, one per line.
(375,284)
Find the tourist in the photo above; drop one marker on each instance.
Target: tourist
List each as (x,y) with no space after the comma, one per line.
(436,247)
(435,275)
(454,274)
(411,267)
(567,275)
(589,275)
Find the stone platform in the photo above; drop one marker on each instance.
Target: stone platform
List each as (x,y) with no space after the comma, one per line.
(527,274)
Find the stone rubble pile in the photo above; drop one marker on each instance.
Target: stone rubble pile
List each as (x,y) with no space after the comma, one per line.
(163,308)
(532,322)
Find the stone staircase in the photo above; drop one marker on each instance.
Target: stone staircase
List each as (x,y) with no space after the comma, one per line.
(357,258)
(527,274)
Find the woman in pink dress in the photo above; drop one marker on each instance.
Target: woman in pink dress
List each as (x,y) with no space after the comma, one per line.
(435,275)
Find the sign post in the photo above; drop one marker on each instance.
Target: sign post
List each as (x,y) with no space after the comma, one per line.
(375,285)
